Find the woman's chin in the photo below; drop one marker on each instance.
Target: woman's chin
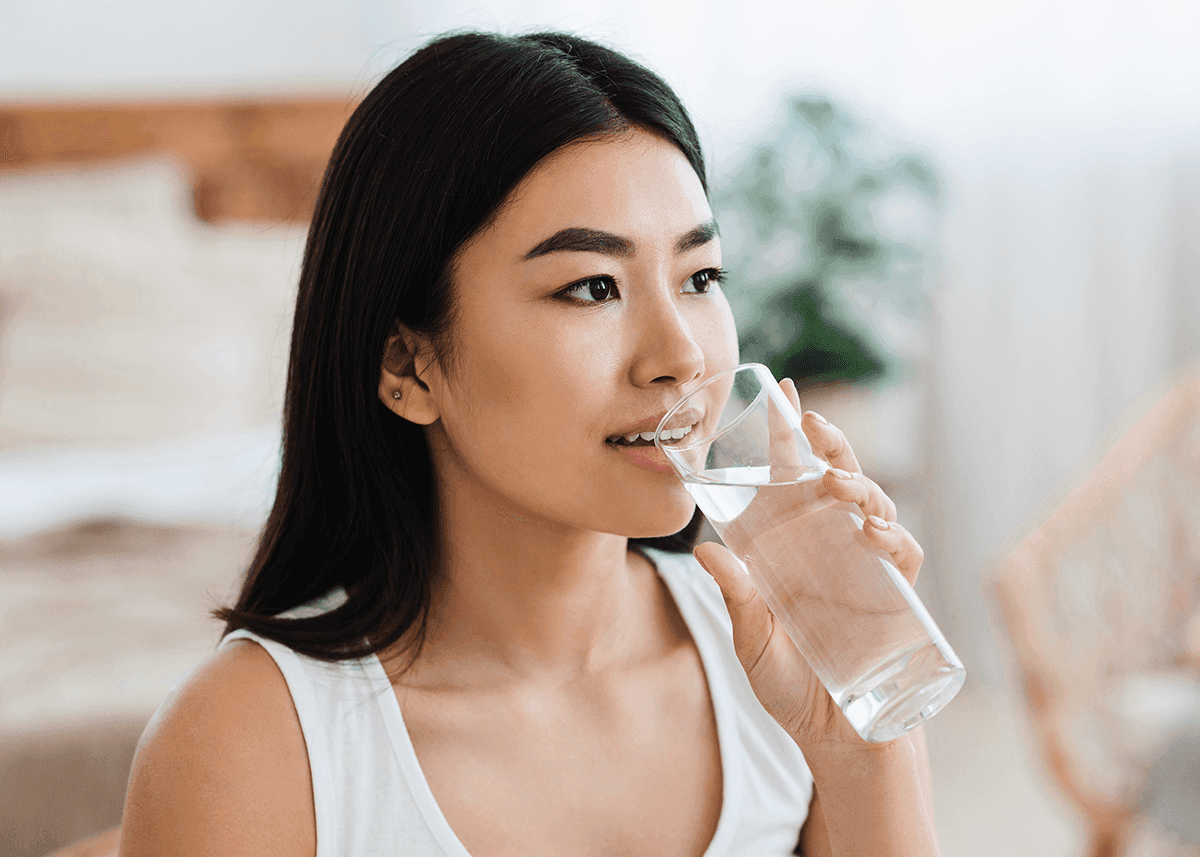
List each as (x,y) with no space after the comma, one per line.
(663,523)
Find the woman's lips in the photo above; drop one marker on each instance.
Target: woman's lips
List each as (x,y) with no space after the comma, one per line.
(684,418)
(648,456)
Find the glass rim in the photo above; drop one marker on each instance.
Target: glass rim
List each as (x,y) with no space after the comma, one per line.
(675,448)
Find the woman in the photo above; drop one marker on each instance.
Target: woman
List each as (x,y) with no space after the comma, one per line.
(468,629)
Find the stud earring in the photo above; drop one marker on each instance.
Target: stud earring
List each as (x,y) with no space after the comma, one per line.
(395,394)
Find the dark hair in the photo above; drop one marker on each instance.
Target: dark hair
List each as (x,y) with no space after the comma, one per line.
(424,162)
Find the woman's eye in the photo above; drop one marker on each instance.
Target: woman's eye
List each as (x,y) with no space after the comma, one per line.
(704,280)
(593,290)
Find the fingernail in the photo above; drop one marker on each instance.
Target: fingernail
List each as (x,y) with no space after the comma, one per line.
(702,565)
(840,474)
(878,523)
(819,418)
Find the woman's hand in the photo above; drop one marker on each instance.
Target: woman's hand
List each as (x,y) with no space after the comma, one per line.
(779,674)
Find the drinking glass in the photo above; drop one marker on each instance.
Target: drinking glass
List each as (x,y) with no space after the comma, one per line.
(856,620)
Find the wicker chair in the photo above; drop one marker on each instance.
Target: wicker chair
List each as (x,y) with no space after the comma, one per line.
(1100,602)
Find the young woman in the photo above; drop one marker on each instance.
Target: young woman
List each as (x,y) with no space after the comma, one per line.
(468,628)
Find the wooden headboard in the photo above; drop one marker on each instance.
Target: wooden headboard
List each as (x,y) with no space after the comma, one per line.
(250,159)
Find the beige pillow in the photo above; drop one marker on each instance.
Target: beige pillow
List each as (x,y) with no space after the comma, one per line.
(126,320)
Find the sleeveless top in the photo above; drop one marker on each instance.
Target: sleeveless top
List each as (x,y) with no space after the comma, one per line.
(372,798)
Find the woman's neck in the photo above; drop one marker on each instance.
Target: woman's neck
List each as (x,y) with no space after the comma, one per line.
(541,607)
(516,597)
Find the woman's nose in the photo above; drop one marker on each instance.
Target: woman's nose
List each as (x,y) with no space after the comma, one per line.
(669,351)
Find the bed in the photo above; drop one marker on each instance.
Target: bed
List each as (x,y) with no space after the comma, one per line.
(148,259)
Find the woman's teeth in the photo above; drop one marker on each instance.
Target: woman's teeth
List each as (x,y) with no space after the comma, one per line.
(671,434)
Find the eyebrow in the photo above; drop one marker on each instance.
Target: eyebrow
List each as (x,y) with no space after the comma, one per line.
(581,240)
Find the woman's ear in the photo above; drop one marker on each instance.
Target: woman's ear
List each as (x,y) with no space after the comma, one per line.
(404,378)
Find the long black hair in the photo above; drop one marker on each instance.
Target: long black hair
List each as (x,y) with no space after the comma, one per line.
(424,162)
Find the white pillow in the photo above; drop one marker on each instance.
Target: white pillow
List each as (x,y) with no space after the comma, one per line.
(126,320)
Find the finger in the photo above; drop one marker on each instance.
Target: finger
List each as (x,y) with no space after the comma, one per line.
(791,456)
(860,489)
(789,389)
(906,554)
(784,452)
(829,442)
(752,621)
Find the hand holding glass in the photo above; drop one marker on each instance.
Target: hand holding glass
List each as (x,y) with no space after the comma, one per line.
(856,620)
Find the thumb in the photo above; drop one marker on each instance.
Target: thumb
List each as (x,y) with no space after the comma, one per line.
(751,618)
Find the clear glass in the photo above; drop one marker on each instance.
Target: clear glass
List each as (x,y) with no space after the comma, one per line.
(857,621)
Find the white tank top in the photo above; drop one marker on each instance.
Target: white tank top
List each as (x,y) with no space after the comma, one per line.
(372,798)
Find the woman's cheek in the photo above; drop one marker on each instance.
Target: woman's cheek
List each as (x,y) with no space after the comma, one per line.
(723,352)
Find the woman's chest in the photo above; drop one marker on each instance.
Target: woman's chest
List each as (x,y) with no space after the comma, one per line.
(629,769)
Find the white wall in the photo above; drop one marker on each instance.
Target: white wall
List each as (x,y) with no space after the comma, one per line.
(145,47)
(944,71)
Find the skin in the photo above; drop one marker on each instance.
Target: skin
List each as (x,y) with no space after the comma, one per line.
(549,643)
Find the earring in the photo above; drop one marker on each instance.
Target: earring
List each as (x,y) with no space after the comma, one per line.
(395,394)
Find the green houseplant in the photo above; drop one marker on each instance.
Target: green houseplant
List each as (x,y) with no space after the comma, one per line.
(829,232)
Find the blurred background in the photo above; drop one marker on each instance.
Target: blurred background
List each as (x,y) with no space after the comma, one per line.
(971,232)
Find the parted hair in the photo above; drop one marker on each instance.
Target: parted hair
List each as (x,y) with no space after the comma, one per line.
(425,161)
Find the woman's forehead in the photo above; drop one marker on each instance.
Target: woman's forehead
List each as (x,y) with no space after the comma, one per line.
(636,183)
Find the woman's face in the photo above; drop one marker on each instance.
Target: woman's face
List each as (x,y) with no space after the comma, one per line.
(586,310)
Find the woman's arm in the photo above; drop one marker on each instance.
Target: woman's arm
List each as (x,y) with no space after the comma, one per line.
(869,799)
(877,802)
(874,800)
(222,768)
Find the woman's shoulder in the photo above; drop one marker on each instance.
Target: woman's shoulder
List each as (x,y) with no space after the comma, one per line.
(223,760)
